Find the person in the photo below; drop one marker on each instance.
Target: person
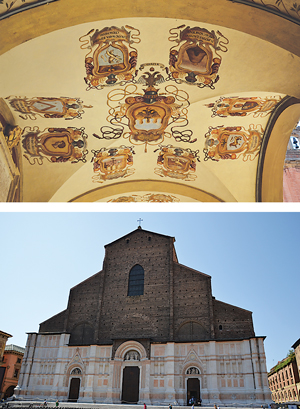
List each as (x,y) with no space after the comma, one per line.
(170,406)
(200,401)
(57,403)
(193,407)
(145,406)
(45,402)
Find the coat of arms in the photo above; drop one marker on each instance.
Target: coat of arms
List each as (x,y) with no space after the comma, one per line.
(112,58)
(112,163)
(147,114)
(237,106)
(54,144)
(68,108)
(177,163)
(233,142)
(196,59)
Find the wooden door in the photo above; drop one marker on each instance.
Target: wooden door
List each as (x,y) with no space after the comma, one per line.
(74,390)
(130,386)
(193,391)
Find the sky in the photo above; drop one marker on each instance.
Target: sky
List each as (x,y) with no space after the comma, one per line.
(252,257)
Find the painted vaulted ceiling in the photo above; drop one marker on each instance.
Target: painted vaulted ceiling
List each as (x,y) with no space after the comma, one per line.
(147,101)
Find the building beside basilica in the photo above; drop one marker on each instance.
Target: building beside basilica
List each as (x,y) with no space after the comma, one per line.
(146,329)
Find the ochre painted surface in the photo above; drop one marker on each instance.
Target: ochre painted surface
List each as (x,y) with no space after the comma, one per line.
(124,98)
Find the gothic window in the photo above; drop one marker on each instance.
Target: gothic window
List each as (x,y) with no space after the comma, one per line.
(132,356)
(193,371)
(136,281)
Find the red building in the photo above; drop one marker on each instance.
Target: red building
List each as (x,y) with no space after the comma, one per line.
(291,170)
(11,365)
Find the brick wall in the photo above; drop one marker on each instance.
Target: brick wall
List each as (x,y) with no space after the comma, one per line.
(177,302)
(291,184)
(232,322)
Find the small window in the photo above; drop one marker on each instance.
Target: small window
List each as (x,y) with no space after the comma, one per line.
(220,327)
(18,360)
(16,373)
(136,281)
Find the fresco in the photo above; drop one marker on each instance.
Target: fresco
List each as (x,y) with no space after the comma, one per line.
(196,58)
(233,142)
(112,163)
(56,145)
(237,106)
(111,58)
(147,114)
(67,108)
(149,197)
(177,163)
(10,7)
(286,8)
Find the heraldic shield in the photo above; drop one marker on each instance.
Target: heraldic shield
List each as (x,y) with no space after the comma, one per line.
(233,142)
(67,108)
(177,163)
(237,106)
(113,59)
(112,163)
(55,145)
(196,58)
(147,122)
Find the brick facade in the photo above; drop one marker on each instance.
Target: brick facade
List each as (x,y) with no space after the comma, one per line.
(175,296)
(173,331)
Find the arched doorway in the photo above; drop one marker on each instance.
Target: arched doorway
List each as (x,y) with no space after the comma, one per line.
(9,391)
(193,391)
(74,390)
(130,385)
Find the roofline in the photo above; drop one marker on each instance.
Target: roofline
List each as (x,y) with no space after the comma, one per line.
(192,269)
(133,231)
(235,306)
(81,282)
(296,344)
(5,334)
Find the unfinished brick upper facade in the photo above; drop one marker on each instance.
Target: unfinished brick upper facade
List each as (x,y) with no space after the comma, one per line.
(177,303)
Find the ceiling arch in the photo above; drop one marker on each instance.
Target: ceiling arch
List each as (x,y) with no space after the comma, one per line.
(160,103)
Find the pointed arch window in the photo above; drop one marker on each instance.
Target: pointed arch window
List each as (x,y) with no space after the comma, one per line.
(136,281)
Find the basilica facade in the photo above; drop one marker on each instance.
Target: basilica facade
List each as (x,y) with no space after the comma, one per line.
(146,329)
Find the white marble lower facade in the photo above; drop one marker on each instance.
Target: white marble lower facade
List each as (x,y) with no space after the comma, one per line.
(224,372)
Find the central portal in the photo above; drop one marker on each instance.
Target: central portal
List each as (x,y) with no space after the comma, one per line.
(130,387)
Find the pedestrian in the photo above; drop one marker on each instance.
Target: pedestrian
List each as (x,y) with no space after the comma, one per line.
(57,403)
(170,406)
(145,406)
(45,402)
